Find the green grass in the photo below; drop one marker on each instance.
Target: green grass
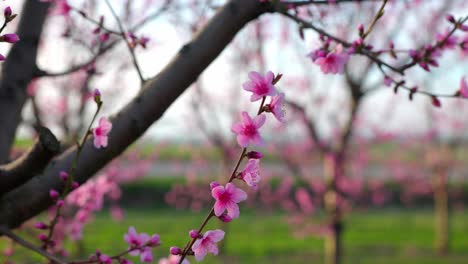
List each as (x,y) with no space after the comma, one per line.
(381,237)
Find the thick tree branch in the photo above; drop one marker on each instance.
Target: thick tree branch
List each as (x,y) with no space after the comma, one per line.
(134,119)
(18,71)
(30,163)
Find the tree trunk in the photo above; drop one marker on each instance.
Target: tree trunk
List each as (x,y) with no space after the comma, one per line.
(17,72)
(333,240)
(441,211)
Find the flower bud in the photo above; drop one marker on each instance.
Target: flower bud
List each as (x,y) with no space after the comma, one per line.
(193,233)
(74,185)
(450,19)
(7,12)
(97,96)
(175,251)
(254,155)
(43,237)
(53,194)
(10,38)
(225,218)
(60,203)
(63,175)
(154,241)
(41,225)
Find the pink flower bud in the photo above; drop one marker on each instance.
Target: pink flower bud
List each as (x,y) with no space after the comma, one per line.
(97,96)
(53,194)
(254,155)
(175,251)
(43,237)
(52,243)
(63,175)
(74,185)
(361,29)
(193,233)
(7,12)
(450,18)
(214,184)
(154,241)
(40,225)
(104,37)
(225,218)
(10,38)
(60,203)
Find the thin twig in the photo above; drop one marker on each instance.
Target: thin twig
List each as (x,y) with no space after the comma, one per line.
(7,232)
(124,37)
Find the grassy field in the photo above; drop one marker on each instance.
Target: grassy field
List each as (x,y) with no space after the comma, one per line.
(376,237)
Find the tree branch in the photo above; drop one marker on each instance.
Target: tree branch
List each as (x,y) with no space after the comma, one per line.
(30,163)
(135,118)
(17,72)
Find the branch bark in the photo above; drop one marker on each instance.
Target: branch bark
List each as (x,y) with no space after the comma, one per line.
(30,163)
(18,71)
(133,120)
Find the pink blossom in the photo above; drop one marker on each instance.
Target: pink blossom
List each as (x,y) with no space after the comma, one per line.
(207,244)
(142,243)
(173,259)
(332,63)
(463,88)
(227,199)
(260,86)
(100,132)
(134,239)
(276,107)
(247,130)
(251,173)
(103,258)
(146,255)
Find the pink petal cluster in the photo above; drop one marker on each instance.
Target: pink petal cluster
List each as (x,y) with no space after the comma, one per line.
(173,259)
(247,130)
(141,244)
(251,173)
(276,107)
(463,88)
(331,62)
(227,199)
(207,244)
(260,86)
(100,133)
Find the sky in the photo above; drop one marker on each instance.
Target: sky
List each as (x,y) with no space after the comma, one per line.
(389,112)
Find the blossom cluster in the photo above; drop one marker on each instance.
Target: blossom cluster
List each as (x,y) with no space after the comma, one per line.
(9,37)
(228,196)
(334,53)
